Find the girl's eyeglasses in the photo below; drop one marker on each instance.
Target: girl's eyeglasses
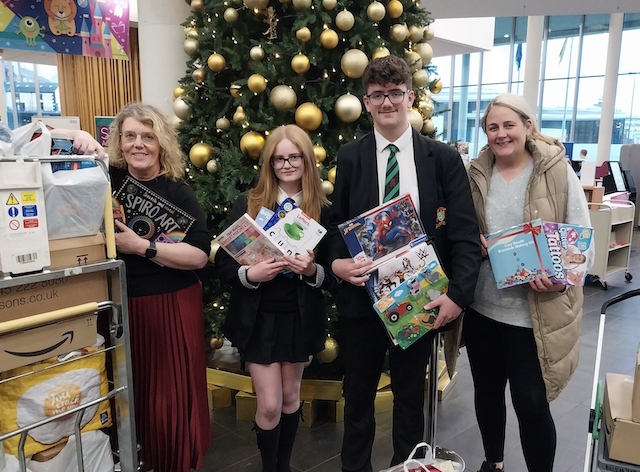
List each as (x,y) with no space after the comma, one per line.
(294,161)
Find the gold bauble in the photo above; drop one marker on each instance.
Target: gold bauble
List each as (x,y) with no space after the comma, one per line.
(200,154)
(426,108)
(428,34)
(380,52)
(353,63)
(283,97)
(308,116)
(327,187)
(256,4)
(348,108)
(252,143)
(257,83)
(256,53)
(239,116)
(234,90)
(301,4)
(345,20)
(331,175)
(395,8)
(178,91)
(329,39)
(330,352)
(320,153)
(197,5)
(415,118)
(216,343)
(376,11)
(191,46)
(329,4)
(414,60)
(303,34)
(230,15)
(216,62)
(175,122)
(420,78)
(215,245)
(199,75)
(426,52)
(213,166)
(415,33)
(428,127)
(300,64)
(436,86)
(181,109)
(398,33)
(191,33)
(223,123)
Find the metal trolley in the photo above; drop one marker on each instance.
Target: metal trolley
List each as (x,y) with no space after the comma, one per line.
(595,429)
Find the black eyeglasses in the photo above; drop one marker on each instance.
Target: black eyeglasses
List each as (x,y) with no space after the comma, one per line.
(294,161)
(395,97)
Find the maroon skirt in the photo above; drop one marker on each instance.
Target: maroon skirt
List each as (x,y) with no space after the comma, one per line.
(169,379)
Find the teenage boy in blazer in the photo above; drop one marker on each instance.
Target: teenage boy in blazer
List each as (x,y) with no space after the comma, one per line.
(434,175)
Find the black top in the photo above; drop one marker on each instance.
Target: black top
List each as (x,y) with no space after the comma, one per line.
(446,211)
(145,277)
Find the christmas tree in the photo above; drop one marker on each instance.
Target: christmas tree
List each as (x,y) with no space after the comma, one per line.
(258,64)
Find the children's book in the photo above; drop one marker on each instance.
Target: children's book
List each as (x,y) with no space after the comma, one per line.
(402,309)
(263,216)
(150,215)
(292,234)
(519,253)
(568,245)
(382,233)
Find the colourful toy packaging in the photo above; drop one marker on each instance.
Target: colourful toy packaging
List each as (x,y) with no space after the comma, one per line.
(568,245)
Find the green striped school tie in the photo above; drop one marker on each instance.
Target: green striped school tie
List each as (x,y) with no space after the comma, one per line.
(392,179)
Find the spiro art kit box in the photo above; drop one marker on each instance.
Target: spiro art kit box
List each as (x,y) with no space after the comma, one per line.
(29,299)
(24,242)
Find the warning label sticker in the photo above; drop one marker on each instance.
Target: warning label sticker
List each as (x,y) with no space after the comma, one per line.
(12,200)
(28,197)
(30,222)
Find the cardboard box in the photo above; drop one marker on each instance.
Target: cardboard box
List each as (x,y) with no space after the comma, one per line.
(219,397)
(635,399)
(32,345)
(232,380)
(623,435)
(33,298)
(48,454)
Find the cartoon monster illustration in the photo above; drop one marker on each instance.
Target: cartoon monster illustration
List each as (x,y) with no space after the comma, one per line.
(31,29)
(62,14)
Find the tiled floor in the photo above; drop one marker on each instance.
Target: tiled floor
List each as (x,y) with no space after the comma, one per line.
(317,449)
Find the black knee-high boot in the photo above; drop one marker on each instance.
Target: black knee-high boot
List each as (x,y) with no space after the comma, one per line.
(268,444)
(288,430)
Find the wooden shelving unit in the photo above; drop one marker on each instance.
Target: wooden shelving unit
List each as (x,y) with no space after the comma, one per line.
(613,230)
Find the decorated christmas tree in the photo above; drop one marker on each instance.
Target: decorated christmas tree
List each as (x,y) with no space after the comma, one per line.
(258,64)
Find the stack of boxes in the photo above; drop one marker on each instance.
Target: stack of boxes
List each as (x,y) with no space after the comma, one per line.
(621,415)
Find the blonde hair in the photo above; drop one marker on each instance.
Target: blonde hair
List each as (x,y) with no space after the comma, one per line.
(518,105)
(171,160)
(265,192)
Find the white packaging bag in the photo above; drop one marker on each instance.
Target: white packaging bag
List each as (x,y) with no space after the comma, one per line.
(9,463)
(74,199)
(23,145)
(96,453)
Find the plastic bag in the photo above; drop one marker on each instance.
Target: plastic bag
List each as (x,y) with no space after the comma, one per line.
(74,198)
(428,464)
(24,145)
(96,453)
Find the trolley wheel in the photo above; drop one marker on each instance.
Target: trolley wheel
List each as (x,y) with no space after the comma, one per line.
(605,285)
(628,277)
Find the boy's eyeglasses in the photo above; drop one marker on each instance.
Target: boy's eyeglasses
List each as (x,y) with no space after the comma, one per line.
(395,97)
(131,137)
(294,161)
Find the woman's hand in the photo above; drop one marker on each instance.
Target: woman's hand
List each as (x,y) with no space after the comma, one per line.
(483,244)
(129,242)
(265,270)
(544,284)
(302,263)
(83,143)
(351,271)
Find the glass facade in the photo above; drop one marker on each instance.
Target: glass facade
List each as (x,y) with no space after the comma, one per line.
(574,54)
(30,90)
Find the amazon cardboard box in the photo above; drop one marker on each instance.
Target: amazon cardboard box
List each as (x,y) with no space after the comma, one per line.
(73,289)
(635,399)
(32,345)
(623,434)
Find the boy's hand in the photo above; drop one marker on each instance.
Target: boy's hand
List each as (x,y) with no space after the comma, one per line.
(353,272)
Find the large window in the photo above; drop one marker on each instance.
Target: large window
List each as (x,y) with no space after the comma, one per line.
(574,58)
(30,90)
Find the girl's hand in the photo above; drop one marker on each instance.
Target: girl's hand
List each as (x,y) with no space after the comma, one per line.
(265,270)
(544,284)
(302,263)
